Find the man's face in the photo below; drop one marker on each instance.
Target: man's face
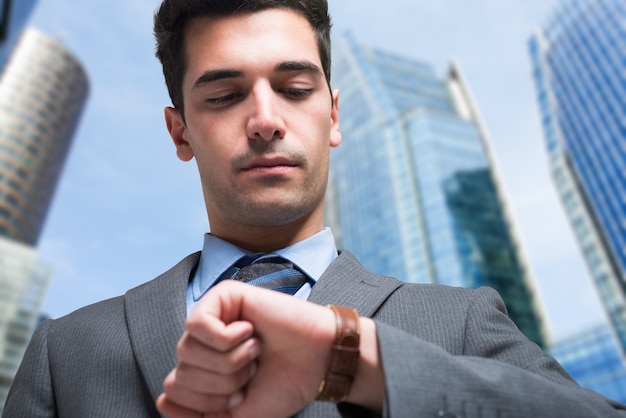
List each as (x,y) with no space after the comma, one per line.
(259,120)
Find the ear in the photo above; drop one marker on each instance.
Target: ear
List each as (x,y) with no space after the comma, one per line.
(335,134)
(178,131)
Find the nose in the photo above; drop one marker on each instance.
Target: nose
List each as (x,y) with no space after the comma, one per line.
(265,121)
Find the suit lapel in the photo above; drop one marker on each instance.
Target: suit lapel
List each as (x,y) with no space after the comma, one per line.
(347,283)
(155,313)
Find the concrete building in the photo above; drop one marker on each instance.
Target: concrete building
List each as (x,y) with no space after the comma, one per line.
(42,94)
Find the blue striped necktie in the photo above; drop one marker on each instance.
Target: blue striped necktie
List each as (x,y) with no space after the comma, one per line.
(274,273)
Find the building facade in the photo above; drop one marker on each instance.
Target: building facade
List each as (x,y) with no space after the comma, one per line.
(413,192)
(42,94)
(23,281)
(579,69)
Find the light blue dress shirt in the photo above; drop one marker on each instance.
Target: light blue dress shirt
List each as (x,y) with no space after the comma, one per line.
(312,256)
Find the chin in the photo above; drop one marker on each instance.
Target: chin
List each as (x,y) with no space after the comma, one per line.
(275,215)
(273,219)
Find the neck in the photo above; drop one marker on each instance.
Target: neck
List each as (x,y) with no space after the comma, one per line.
(268,239)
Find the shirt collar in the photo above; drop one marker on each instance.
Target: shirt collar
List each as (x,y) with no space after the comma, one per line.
(312,256)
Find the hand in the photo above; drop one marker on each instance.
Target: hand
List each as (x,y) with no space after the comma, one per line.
(210,373)
(218,356)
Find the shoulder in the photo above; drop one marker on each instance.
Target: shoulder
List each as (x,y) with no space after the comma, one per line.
(85,326)
(434,296)
(107,317)
(440,306)
(430,301)
(443,315)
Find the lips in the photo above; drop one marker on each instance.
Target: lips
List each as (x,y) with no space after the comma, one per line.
(267,163)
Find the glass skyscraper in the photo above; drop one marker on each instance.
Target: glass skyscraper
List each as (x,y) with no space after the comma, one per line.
(579,68)
(412,192)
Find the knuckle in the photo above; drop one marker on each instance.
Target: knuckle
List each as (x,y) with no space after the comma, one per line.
(183,377)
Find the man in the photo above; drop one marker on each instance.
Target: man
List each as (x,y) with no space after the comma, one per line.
(250,85)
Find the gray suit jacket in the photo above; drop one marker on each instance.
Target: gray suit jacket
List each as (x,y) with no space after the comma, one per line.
(446,352)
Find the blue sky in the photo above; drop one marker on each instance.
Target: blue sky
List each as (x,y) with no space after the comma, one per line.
(126,209)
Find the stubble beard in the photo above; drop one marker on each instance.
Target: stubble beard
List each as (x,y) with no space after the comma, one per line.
(276,202)
(280,208)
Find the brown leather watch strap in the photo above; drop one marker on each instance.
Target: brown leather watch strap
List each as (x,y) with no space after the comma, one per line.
(344,356)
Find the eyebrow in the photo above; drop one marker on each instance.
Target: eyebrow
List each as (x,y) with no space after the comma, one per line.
(216,75)
(282,67)
(306,66)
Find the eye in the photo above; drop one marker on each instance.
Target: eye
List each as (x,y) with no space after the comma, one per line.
(296,93)
(224,100)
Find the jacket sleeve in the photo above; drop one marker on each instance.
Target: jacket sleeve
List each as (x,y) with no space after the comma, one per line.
(31,394)
(500,373)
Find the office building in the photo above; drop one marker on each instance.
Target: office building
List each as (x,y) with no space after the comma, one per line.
(23,281)
(14,15)
(42,94)
(413,192)
(579,69)
(594,358)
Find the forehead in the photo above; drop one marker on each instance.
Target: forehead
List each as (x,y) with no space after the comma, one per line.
(249,40)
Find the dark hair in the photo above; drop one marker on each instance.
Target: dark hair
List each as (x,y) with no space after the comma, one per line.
(173,16)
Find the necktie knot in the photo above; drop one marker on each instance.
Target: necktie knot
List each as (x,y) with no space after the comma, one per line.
(274,273)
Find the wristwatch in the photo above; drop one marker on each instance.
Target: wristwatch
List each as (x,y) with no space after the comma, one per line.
(335,387)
